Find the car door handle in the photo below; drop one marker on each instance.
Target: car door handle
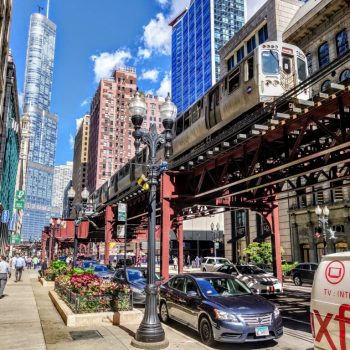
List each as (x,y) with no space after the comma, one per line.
(182,300)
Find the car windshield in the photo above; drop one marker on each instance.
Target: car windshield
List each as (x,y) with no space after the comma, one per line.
(249,270)
(219,286)
(100,268)
(135,275)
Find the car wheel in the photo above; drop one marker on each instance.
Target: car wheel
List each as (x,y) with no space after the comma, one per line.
(297,281)
(163,312)
(206,332)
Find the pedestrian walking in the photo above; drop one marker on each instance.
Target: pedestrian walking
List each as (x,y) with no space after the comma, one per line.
(197,261)
(43,267)
(175,262)
(13,262)
(35,262)
(29,262)
(5,272)
(189,261)
(138,261)
(20,264)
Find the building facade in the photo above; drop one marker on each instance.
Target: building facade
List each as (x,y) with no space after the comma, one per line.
(62,175)
(322,30)
(43,124)
(80,159)
(198,33)
(111,143)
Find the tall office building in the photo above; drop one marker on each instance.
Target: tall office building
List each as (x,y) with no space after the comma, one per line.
(43,125)
(80,161)
(197,36)
(111,143)
(63,174)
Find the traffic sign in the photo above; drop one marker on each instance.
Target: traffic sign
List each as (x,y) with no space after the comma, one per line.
(5,216)
(122,212)
(20,199)
(217,245)
(121,231)
(20,195)
(15,239)
(19,204)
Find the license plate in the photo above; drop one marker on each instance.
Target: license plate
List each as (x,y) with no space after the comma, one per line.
(262,331)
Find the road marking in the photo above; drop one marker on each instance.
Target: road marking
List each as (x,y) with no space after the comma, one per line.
(293,319)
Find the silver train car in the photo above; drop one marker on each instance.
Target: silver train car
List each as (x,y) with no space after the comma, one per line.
(266,73)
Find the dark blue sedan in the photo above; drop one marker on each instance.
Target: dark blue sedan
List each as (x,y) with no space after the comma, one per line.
(103,272)
(220,308)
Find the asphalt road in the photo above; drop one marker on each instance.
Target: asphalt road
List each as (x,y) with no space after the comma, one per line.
(294,304)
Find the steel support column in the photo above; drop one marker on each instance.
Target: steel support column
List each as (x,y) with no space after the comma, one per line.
(180,239)
(109,219)
(49,253)
(273,220)
(167,188)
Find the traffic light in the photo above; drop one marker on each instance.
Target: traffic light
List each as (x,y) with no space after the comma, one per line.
(143,182)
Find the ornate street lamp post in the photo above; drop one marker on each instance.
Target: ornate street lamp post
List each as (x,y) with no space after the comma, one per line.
(150,329)
(79,210)
(215,235)
(322,216)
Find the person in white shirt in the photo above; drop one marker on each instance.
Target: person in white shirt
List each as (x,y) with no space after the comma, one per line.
(4,272)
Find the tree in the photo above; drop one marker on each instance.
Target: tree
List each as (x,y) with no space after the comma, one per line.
(260,253)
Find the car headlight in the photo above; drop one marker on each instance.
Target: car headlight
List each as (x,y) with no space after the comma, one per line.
(225,316)
(276,312)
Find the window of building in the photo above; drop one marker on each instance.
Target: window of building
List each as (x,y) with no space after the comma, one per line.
(342,42)
(230,63)
(263,34)
(323,55)
(344,75)
(251,44)
(326,84)
(240,54)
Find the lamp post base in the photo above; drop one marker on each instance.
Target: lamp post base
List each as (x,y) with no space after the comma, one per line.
(151,346)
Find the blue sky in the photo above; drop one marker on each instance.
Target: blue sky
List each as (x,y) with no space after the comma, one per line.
(91,39)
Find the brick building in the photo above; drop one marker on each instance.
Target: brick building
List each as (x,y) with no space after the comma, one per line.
(111,143)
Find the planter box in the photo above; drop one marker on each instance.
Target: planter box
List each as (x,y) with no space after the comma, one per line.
(92,319)
(93,303)
(47,284)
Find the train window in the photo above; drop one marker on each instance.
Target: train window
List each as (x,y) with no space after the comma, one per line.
(270,62)
(249,69)
(179,126)
(344,75)
(301,69)
(287,64)
(233,81)
(325,85)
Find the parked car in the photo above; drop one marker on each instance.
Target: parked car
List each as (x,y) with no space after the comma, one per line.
(86,264)
(136,279)
(129,262)
(211,263)
(220,307)
(103,272)
(303,273)
(255,278)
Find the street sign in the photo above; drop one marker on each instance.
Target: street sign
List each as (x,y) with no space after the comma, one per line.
(217,245)
(19,204)
(20,195)
(122,212)
(15,239)
(121,231)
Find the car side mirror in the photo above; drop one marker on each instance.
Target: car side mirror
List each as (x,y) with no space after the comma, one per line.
(192,294)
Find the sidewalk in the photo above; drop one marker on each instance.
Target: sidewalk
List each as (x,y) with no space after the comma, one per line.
(30,321)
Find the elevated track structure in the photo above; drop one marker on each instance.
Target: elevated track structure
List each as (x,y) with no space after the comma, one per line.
(275,152)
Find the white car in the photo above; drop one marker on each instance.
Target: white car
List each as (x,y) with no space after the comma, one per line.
(255,278)
(211,263)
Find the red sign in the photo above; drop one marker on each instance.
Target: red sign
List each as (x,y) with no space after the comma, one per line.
(335,272)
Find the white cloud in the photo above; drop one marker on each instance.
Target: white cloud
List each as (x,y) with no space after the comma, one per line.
(157,35)
(85,102)
(149,92)
(78,122)
(106,62)
(71,141)
(20,101)
(162,2)
(144,53)
(165,86)
(253,6)
(151,75)
(177,6)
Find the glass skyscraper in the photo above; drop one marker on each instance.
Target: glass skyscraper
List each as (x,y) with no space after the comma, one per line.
(197,36)
(43,125)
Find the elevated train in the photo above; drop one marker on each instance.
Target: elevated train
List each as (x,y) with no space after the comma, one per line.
(266,73)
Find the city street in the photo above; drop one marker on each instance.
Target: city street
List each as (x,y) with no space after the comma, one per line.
(36,325)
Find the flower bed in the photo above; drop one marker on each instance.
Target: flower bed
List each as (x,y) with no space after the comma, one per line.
(85,293)
(55,269)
